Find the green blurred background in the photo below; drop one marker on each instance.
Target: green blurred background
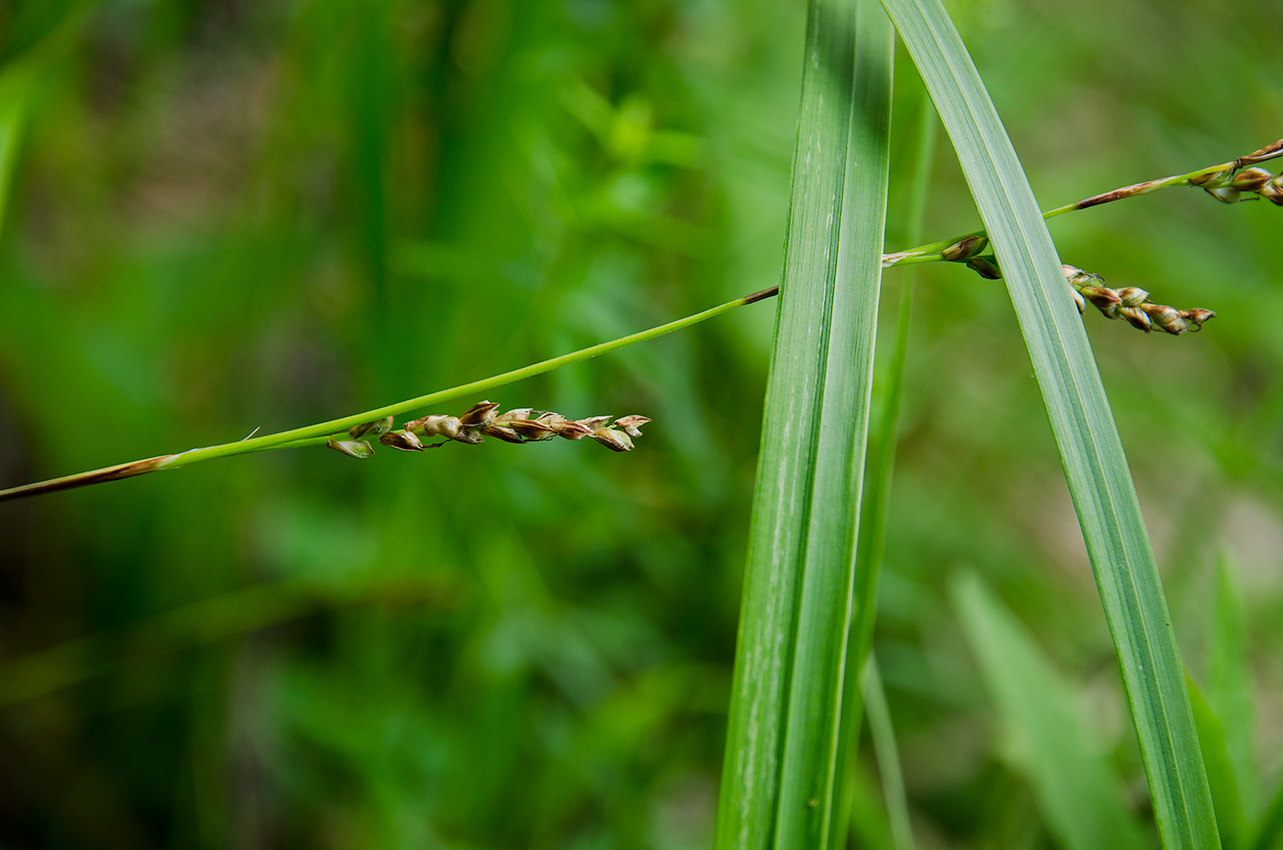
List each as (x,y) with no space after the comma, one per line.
(216,216)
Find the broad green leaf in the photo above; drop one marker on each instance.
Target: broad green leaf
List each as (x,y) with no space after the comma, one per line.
(1095,468)
(780,775)
(1079,797)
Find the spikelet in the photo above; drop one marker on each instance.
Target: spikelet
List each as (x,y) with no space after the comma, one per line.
(484,419)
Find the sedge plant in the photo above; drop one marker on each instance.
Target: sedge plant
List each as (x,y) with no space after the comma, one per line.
(810,583)
(1129,303)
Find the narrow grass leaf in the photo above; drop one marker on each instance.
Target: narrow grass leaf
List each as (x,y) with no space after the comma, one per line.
(871,540)
(882,731)
(1268,830)
(867,818)
(1213,738)
(779,778)
(871,536)
(12,112)
(1229,681)
(1095,468)
(1079,797)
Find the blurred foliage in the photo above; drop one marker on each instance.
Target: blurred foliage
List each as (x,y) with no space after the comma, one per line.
(232,214)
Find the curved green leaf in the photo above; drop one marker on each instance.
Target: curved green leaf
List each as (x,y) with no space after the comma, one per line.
(1095,467)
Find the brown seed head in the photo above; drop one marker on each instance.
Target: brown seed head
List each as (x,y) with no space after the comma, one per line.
(1103,299)
(562,427)
(1273,191)
(965,249)
(1137,317)
(1132,296)
(479,415)
(1077,277)
(1251,179)
(1167,318)
(520,422)
(403,440)
(985,267)
(613,439)
(631,425)
(1078,301)
(435,426)
(508,435)
(1196,317)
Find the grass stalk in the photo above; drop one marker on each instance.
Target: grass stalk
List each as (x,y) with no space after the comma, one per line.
(319,433)
(931,252)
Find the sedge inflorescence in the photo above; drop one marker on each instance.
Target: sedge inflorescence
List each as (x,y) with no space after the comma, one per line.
(1245,184)
(1131,302)
(484,419)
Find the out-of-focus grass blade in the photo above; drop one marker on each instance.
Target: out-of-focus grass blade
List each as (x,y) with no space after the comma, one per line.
(779,780)
(1095,467)
(196,624)
(1079,798)
(1213,738)
(12,112)
(868,819)
(1271,825)
(20,80)
(882,730)
(1229,683)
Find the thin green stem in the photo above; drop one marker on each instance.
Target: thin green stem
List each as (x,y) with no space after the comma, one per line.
(931,253)
(320,433)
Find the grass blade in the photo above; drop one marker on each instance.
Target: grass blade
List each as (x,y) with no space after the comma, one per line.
(779,778)
(1095,467)
(12,113)
(1271,826)
(1079,798)
(1229,687)
(1213,739)
(871,542)
(871,537)
(882,731)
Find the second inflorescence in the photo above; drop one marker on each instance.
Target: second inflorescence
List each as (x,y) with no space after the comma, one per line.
(1230,186)
(483,419)
(1130,302)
